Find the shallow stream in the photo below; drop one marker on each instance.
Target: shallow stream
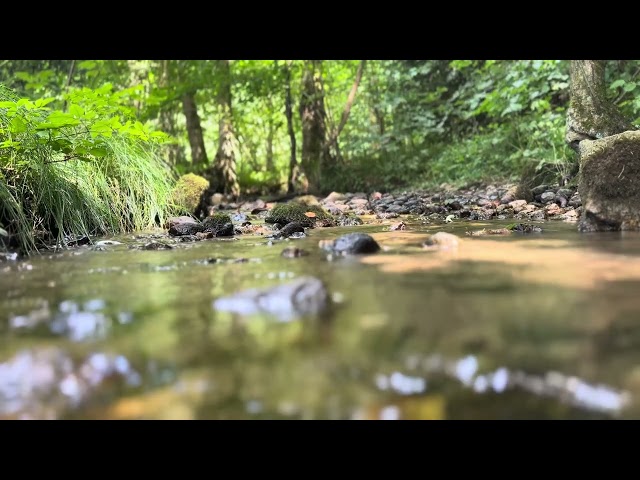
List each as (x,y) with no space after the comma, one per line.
(536,326)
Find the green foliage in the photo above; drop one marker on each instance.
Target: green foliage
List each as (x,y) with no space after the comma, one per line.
(413,122)
(624,78)
(90,170)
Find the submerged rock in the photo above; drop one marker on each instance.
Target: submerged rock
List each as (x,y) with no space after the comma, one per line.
(442,241)
(217,225)
(302,297)
(156,246)
(293,252)
(351,244)
(524,228)
(289,230)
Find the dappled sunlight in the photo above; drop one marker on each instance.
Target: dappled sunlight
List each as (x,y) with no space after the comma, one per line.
(549,261)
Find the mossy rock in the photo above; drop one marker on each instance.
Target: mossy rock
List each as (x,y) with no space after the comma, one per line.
(216,221)
(294,212)
(610,182)
(188,191)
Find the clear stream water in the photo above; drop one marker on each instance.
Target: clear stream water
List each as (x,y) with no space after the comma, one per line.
(538,326)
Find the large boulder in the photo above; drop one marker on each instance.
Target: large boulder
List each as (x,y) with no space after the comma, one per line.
(188,192)
(610,182)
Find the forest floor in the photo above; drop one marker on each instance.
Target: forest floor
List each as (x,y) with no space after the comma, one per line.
(476,202)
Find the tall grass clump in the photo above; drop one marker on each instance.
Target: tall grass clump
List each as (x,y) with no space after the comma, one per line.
(64,174)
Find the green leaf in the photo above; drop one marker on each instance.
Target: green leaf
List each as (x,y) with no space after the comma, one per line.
(76,110)
(87,65)
(98,151)
(9,144)
(24,76)
(18,125)
(630,87)
(43,102)
(3,232)
(101,128)
(58,119)
(618,83)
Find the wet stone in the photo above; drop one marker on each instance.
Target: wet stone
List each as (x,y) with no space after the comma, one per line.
(386,215)
(540,189)
(226,230)
(294,252)
(525,228)
(547,197)
(289,230)
(348,220)
(351,244)
(239,218)
(575,201)
(186,228)
(442,241)
(565,192)
(156,246)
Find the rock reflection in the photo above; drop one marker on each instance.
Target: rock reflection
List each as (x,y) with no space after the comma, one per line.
(44,384)
(567,389)
(78,322)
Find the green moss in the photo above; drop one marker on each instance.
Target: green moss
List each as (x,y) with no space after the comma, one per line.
(320,213)
(216,221)
(294,212)
(188,191)
(609,185)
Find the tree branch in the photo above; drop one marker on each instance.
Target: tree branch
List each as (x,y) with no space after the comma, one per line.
(347,108)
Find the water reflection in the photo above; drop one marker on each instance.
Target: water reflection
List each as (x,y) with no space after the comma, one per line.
(515,328)
(565,388)
(46,383)
(76,321)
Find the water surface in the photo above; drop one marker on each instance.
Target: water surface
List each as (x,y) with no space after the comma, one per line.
(537,326)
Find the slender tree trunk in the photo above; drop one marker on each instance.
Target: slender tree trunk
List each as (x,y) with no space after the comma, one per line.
(314,130)
(591,114)
(67,84)
(225,161)
(288,102)
(138,72)
(194,129)
(333,139)
(271,130)
(174,153)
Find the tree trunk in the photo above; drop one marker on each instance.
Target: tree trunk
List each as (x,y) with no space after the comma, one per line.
(225,162)
(591,114)
(314,130)
(138,73)
(174,152)
(333,140)
(293,162)
(609,184)
(194,129)
(271,130)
